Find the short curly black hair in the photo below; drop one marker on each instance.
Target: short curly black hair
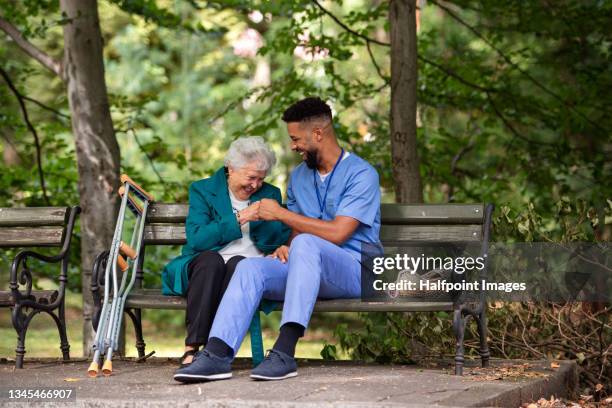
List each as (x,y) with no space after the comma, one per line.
(307,108)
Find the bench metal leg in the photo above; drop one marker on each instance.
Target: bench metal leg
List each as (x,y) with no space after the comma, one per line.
(136,316)
(21,321)
(60,322)
(20,350)
(484,345)
(459,321)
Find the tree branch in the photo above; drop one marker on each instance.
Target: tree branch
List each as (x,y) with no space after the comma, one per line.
(148,156)
(370,41)
(10,142)
(507,123)
(378,70)
(46,107)
(453,74)
(24,111)
(347,28)
(44,59)
(514,65)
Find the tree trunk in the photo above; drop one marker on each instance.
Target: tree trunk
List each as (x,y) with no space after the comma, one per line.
(404,156)
(97,150)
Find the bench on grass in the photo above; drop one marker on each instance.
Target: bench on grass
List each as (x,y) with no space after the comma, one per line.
(36,227)
(400,223)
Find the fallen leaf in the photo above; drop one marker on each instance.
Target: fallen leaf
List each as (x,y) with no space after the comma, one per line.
(598,387)
(554,365)
(71,379)
(532,405)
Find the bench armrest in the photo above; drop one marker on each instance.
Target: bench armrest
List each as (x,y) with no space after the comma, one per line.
(21,273)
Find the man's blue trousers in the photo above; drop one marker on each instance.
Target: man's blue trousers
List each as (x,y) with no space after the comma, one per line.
(316,269)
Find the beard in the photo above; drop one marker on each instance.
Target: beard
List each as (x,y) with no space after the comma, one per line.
(311,159)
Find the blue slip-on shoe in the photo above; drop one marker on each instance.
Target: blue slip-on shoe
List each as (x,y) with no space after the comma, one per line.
(276,366)
(205,367)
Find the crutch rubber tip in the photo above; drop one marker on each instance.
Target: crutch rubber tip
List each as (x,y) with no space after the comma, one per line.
(107,368)
(93,369)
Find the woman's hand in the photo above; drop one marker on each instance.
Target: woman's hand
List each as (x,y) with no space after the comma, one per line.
(251,213)
(281,253)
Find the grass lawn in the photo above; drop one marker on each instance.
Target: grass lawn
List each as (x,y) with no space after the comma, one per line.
(162,333)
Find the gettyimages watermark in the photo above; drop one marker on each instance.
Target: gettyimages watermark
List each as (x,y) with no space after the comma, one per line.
(426,271)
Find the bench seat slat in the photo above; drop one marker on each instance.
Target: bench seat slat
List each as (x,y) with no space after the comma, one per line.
(153,299)
(33,216)
(30,236)
(39,296)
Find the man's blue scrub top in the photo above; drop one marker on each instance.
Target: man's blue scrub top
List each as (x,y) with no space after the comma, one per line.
(354,192)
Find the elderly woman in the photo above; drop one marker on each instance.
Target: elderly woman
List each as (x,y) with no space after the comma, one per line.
(222,228)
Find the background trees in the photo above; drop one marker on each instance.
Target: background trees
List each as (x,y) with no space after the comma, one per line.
(512,107)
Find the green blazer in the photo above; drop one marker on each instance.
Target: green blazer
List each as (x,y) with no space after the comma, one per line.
(211,225)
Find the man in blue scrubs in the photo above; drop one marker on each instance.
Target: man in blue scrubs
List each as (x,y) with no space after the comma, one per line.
(333,207)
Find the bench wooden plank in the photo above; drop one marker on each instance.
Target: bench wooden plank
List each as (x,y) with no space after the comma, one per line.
(39,296)
(409,214)
(396,214)
(164,234)
(153,299)
(33,216)
(30,236)
(159,213)
(174,234)
(449,233)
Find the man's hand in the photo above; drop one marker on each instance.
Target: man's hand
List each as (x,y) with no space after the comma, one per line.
(281,253)
(250,213)
(269,209)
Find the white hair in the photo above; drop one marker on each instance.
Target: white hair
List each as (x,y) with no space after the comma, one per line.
(247,150)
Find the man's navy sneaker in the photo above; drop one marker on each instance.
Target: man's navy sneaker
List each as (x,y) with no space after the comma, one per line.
(276,366)
(205,367)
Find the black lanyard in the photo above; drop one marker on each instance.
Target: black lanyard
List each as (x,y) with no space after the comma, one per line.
(314,180)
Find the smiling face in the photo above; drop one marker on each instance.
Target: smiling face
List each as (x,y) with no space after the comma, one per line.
(246,180)
(303,142)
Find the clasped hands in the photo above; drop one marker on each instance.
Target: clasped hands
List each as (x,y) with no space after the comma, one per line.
(264,210)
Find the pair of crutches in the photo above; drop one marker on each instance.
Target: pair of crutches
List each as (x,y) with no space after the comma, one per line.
(121,258)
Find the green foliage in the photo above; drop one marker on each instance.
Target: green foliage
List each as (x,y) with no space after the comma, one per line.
(329,352)
(514,109)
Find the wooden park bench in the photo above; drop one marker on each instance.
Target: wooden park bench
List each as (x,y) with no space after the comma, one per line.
(417,223)
(36,227)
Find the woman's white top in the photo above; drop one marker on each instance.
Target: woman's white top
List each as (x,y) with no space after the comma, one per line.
(243,246)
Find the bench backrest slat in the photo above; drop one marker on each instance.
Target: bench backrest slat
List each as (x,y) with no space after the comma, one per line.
(411,214)
(167,213)
(164,234)
(33,216)
(394,214)
(31,236)
(431,233)
(404,222)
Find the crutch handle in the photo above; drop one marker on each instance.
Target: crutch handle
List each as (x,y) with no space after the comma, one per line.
(126,179)
(127,250)
(131,199)
(122,263)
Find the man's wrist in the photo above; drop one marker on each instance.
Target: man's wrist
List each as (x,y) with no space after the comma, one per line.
(281,214)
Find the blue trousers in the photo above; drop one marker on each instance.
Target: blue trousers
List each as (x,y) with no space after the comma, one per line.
(316,269)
